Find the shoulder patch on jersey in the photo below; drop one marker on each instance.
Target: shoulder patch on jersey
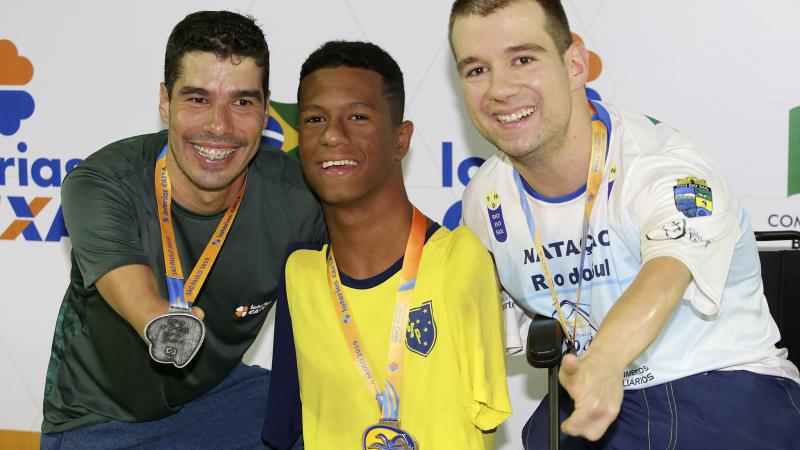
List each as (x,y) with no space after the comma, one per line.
(693,197)
(421,329)
(495,211)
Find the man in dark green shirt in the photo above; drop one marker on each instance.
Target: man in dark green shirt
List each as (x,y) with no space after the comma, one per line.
(204,196)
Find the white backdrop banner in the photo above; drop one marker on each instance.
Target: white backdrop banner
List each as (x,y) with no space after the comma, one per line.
(77,75)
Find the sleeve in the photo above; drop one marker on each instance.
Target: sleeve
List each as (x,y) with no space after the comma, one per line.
(478,331)
(320,229)
(516,324)
(514,318)
(685,210)
(472,214)
(101,221)
(283,422)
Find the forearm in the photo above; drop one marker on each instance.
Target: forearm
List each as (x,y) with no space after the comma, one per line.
(635,321)
(131,291)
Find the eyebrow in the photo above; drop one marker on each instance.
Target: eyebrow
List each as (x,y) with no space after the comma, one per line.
(313,106)
(250,93)
(247,93)
(529,47)
(187,90)
(465,62)
(308,107)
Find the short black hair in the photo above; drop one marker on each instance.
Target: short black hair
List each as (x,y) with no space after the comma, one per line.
(224,33)
(557,25)
(361,55)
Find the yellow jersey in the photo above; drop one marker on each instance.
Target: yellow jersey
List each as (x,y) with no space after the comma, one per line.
(454,379)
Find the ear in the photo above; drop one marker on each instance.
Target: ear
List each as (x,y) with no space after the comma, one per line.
(404,132)
(266,109)
(163,103)
(576,59)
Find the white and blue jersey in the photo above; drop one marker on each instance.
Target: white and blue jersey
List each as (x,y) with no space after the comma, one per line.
(660,196)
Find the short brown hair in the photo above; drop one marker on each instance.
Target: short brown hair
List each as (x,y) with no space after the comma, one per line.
(557,25)
(224,33)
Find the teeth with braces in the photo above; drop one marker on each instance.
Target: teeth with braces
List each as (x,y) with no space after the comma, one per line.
(517,116)
(213,154)
(342,162)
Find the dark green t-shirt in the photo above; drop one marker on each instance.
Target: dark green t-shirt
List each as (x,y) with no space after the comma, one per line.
(99,367)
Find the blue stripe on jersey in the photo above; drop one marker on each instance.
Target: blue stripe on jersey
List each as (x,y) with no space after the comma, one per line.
(600,114)
(562,199)
(371,282)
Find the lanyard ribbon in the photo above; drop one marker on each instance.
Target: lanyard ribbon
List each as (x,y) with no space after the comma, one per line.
(593,181)
(180,297)
(388,398)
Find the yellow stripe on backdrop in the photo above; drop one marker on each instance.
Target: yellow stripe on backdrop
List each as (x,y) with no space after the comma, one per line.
(19,440)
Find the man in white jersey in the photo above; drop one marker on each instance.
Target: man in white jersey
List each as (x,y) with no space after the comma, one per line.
(626,232)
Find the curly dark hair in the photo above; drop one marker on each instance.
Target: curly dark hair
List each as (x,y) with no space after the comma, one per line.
(224,33)
(361,55)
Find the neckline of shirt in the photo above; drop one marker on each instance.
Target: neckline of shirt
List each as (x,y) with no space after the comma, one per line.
(601,114)
(371,282)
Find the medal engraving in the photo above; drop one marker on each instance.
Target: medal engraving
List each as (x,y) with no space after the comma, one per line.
(387,435)
(175,338)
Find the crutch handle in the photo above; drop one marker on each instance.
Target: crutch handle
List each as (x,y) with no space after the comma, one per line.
(545,342)
(544,351)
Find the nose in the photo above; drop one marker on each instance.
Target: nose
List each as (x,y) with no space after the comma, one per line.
(334,134)
(502,85)
(220,120)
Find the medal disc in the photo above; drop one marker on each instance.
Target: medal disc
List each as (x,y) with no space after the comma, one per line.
(388,436)
(175,338)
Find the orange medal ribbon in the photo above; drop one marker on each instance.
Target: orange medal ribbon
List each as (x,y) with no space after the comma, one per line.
(180,297)
(389,397)
(594,179)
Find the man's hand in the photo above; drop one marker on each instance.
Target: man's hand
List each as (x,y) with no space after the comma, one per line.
(594,381)
(596,388)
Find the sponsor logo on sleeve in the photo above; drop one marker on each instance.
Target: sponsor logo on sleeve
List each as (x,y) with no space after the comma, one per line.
(674,230)
(495,211)
(693,197)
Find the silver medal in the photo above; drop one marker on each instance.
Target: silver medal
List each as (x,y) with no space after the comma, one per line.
(175,338)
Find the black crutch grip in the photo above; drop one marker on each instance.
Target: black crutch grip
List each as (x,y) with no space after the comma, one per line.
(545,342)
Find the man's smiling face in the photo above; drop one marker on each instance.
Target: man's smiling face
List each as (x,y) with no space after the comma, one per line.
(517,85)
(216,112)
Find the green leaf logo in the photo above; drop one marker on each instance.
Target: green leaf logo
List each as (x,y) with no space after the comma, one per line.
(794,152)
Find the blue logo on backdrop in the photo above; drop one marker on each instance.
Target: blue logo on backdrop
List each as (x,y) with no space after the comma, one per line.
(16,107)
(453,215)
(19,172)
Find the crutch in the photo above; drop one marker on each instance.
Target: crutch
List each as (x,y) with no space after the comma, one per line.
(544,351)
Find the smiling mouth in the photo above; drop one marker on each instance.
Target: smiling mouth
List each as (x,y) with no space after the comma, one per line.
(517,116)
(214,154)
(339,163)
